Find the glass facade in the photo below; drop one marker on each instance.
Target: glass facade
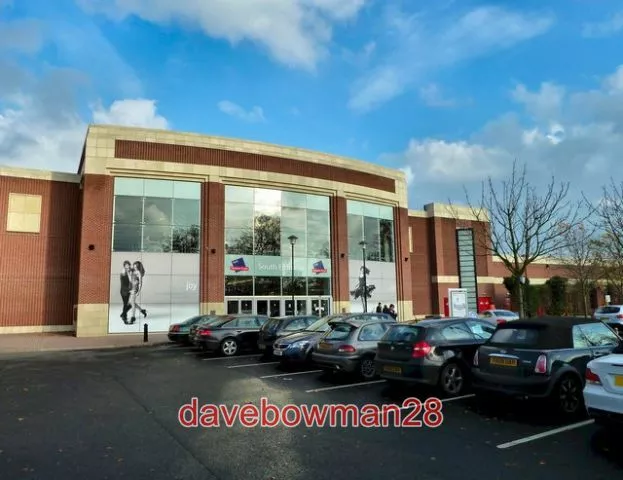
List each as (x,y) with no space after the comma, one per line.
(155,254)
(467,266)
(373,224)
(260,259)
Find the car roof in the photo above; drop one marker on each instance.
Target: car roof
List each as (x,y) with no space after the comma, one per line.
(435,322)
(548,322)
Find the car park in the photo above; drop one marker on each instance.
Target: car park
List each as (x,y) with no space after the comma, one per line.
(230,334)
(612,315)
(277,327)
(603,392)
(180,332)
(499,316)
(296,348)
(542,359)
(350,346)
(437,353)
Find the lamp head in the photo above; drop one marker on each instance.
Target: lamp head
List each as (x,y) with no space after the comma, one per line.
(363,244)
(293,239)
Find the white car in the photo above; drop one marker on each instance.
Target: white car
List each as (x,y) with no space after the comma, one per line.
(499,315)
(603,392)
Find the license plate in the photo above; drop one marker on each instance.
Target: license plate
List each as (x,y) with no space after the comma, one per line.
(618,380)
(503,362)
(324,346)
(262,347)
(604,319)
(390,369)
(278,353)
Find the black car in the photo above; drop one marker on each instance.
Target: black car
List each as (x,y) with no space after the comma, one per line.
(543,358)
(230,334)
(208,319)
(437,353)
(278,327)
(180,332)
(350,345)
(296,348)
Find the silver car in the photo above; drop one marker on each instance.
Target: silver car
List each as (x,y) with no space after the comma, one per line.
(499,316)
(611,315)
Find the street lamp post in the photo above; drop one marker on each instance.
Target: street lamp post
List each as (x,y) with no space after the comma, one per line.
(293,239)
(522,303)
(362,244)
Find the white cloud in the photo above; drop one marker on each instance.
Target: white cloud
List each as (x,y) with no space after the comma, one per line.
(294,32)
(576,136)
(255,115)
(432,96)
(607,28)
(419,44)
(132,113)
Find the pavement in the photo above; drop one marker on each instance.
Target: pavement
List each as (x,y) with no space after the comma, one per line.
(66,341)
(110,414)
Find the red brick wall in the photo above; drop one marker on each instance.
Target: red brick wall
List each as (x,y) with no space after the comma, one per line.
(212,273)
(404,284)
(97,219)
(422,263)
(39,276)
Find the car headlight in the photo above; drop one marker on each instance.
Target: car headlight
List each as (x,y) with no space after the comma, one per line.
(302,345)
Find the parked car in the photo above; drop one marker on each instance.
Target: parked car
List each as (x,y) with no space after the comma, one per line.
(180,332)
(296,348)
(603,392)
(438,353)
(612,315)
(231,334)
(542,358)
(209,319)
(350,345)
(499,316)
(277,327)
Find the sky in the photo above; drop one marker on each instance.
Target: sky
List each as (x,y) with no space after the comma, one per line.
(451,92)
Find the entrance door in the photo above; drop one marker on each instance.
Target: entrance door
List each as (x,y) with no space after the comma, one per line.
(320,307)
(270,307)
(239,307)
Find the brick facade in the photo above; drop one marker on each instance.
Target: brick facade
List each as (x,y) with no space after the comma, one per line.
(48,276)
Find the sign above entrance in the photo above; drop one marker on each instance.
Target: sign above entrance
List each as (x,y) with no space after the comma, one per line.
(265,266)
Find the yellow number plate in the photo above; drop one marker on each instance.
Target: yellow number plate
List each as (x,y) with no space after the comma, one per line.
(503,362)
(324,346)
(389,368)
(618,380)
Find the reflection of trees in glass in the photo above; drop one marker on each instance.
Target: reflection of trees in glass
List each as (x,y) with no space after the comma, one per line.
(236,286)
(387,240)
(186,239)
(299,287)
(267,235)
(156,239)
(362,290)
(318,247)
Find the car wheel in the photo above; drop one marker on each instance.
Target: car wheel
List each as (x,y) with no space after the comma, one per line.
(568,395)
(229,347)
(452,379)
(367,368)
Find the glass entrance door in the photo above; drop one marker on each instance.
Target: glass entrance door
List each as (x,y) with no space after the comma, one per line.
(239,306)
(278,306)
(268,306)
(321,307)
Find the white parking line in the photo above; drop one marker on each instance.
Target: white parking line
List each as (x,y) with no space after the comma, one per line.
(229,358)
(253,364)
(548,433)
(290,374)
(338,387)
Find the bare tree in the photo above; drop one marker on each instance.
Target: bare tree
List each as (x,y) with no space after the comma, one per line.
(609,213)
(523,225)
(609,253)
(580,258)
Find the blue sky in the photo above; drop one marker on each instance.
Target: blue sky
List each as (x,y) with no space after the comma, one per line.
(449,91)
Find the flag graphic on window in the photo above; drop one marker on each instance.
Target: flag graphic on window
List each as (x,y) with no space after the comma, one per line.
(318,267)
(238,265)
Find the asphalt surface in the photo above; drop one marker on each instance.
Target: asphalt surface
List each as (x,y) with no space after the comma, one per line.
(114,414)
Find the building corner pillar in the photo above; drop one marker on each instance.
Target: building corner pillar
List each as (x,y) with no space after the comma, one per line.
(212,249)
(404,285)
(339,255)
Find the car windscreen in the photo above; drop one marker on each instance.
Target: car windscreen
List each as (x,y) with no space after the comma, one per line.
(403,333)
(608,310)
(340,331)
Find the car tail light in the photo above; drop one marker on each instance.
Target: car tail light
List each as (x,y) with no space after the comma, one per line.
(475,361)
(592,377)
(500,320)
(205,333)
(346,349)
(420,350)
(175,328)
(620,315)
(541,364)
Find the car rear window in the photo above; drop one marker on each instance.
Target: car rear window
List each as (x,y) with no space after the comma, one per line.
(403,333)
(340,331)
(608,310)
(537,337)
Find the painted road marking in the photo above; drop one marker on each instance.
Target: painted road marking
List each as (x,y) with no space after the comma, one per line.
(289,374)
(229,358)
(253,364)
(338,387)
(548,433)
